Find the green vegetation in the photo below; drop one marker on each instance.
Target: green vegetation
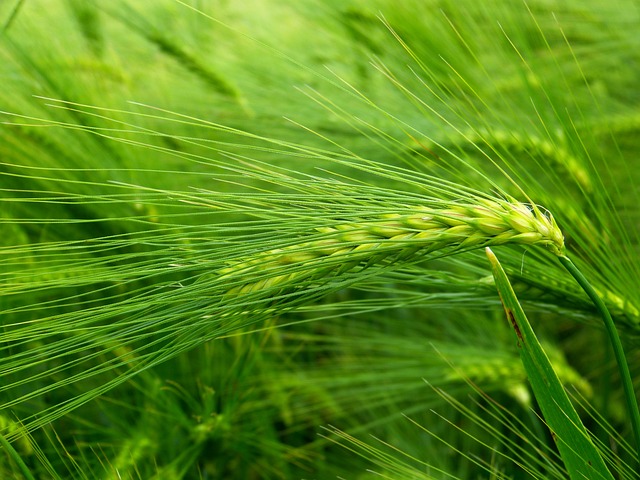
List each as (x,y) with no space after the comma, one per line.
(245,239)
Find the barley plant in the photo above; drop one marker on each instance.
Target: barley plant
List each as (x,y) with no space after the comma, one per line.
(249,240)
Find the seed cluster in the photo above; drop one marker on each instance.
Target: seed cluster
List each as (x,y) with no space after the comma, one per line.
(339,248)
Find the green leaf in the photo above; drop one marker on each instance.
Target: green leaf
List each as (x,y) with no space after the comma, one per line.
(578,452)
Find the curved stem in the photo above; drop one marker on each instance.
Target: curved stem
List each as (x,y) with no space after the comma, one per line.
(623,366)
(16,457)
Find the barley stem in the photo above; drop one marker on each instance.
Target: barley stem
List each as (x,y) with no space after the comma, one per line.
(4,443)
(623,366)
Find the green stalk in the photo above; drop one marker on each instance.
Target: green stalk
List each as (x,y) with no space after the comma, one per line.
(623,366)
(16,457)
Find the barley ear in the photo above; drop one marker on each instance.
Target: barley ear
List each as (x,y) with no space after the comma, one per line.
(334,250)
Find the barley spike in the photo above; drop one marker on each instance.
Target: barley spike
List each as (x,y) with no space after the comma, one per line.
(342,247)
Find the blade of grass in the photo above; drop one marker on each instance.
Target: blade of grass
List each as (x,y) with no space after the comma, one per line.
(578,452)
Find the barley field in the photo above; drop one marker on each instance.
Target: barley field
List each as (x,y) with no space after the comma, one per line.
(319,239)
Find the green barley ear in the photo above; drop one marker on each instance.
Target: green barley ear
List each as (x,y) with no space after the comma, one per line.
(554,151)
(187,58)
(509,371)
(344,246)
